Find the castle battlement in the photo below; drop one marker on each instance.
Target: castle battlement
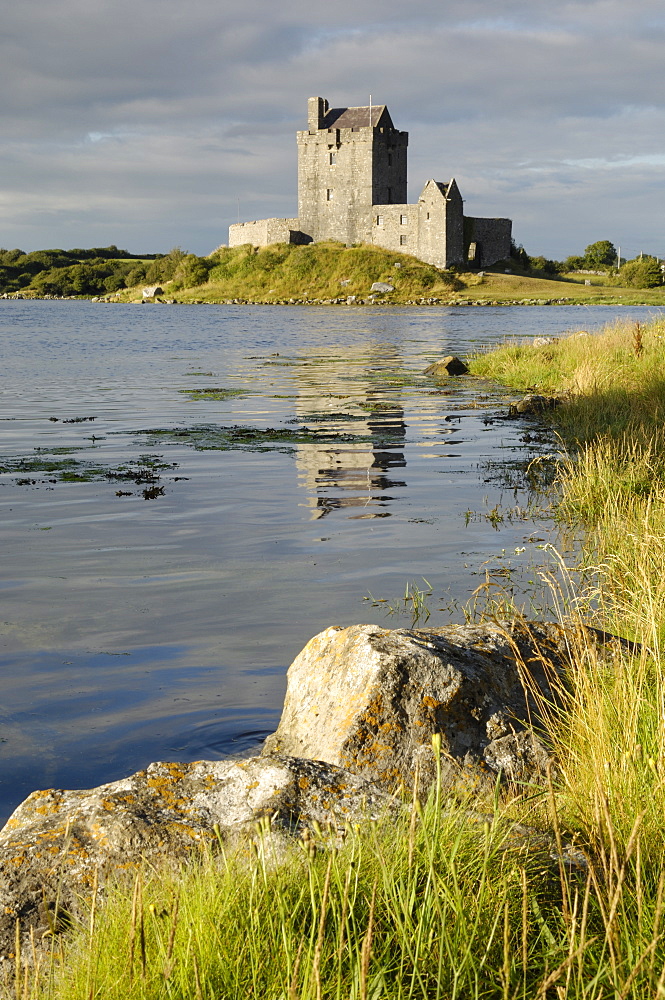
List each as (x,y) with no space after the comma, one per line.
(352,181)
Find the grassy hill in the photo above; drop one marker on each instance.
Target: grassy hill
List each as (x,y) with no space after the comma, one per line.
(331,272)
(284,274)
(322,271)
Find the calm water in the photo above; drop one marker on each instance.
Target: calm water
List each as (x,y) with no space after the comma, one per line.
(156,620)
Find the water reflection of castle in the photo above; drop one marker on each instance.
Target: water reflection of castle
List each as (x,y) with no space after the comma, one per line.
(342,397)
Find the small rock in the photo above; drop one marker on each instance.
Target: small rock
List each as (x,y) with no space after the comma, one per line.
(533,404)
(543,341)
(382,286)
(447,366)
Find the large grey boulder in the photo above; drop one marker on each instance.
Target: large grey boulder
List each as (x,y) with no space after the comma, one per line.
(369,699)
(57,844)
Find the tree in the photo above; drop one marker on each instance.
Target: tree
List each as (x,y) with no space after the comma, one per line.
(599,256)
(191,271)
(643,272)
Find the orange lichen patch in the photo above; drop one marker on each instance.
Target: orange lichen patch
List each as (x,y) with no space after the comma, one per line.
(388,727)
(44,803)
(78,852)
(163,784)
(99,833)
(20,859)
(431,702)
(303,782)
(375,749)
(51,834)
(183,828)
(252,784)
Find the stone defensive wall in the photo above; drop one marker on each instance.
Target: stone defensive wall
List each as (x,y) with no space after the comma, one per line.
(262,232)
(491,238)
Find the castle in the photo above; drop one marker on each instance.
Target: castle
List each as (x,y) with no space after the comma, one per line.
(352,188)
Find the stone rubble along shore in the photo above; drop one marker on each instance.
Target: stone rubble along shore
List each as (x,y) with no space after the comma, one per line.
(361,708)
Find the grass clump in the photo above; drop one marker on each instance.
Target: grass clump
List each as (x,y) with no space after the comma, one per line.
(612,483)
(437,907)
(440,904)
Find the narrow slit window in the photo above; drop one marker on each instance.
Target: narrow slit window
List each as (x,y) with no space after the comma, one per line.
(333,159)
(403,220)
(329,194)
(379,220)
(402,240)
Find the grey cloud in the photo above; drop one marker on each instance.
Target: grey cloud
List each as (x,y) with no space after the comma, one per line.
(113,108)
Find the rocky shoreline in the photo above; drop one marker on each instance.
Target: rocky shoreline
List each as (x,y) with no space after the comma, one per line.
(370,715)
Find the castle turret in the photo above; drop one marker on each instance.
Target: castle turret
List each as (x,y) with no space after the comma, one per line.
(317,108)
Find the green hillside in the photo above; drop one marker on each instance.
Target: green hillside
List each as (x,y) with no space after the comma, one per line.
(330,272)
(322,271)
(318,273)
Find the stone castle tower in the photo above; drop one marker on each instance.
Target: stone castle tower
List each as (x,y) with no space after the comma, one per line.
(352,179)
(349,160)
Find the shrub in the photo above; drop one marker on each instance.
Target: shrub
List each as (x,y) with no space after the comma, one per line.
(644,272)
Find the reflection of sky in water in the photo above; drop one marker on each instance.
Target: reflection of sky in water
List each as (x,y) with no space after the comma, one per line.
(136,630)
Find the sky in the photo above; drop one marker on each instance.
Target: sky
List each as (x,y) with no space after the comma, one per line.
(151,124)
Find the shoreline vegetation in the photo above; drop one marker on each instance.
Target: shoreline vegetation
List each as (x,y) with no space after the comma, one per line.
(317,274)
(434,906)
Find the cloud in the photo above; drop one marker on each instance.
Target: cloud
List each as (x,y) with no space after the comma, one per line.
(156,118)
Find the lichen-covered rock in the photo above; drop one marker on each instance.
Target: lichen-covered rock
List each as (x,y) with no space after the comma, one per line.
(58,843)
(449,365)
(533,404)
(370,699)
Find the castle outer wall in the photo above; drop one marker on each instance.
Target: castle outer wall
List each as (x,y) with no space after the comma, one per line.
(265,231)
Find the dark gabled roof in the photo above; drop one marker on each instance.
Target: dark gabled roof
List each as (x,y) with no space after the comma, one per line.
(358,117)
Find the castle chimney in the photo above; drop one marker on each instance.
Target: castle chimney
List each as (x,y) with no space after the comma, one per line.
(317,108)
